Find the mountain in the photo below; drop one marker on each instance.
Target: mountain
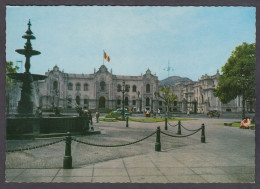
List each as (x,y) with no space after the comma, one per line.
(173,79)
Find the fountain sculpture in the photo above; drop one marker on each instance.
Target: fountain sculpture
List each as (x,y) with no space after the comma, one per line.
(25,105)
(25,124)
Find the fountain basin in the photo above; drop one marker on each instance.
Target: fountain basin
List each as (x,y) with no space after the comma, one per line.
(19,127)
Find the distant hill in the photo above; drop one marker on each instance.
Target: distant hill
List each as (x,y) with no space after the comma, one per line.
(173,79)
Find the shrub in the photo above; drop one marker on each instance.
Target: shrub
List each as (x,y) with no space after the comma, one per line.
(115,115)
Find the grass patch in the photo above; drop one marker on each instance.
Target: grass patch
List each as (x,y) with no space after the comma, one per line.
(234,124)
(159,119)
(108,119)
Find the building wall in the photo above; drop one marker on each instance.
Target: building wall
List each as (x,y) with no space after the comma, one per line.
(198,96)
(194,96)
(102,89)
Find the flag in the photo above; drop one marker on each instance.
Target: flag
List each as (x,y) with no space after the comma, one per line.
(106,57)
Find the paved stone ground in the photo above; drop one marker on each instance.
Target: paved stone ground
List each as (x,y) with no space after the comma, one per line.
(228,156)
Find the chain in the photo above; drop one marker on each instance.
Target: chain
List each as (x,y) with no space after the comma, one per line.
(34,147)
(180,135)
(119,145)
(172,125)
(188,129)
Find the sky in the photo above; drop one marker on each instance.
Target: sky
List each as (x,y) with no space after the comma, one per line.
(194,40)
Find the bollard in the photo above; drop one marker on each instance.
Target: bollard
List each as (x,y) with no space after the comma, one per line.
(179,128)
(127,121)
(203,138)
(158,141)
(165,126)
(67,160)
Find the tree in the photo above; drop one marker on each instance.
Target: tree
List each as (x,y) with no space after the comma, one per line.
(167,97)
(10,83)
(238,78)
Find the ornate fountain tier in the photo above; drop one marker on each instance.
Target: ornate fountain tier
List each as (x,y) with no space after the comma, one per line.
(28,52)
(26,76)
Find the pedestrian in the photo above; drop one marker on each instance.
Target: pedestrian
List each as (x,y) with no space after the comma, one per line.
(244,124)
(218,114)
(188,113)
(80,111)
(90,117)
(97,116)
(86,120)
(38,112)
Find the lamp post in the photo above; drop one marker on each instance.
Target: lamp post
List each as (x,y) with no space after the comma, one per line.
(190,103)
(156,102)
(123,105)
(139,102)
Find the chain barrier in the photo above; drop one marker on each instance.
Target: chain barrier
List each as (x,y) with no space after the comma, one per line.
(34,147)
(188,129)
(181,135)
(119,145)
(172,125)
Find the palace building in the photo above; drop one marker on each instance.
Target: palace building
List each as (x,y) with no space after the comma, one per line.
(102,90)
(99,90)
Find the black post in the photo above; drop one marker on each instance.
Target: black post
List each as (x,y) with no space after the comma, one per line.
(67,160)
(203,138)
(165,126)
(179,128)
(158,141)
(126,121)
(123,108)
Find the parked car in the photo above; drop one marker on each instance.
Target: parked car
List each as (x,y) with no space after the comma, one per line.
(214,113)
(120,111)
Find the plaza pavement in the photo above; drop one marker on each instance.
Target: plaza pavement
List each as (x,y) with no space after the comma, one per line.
(228,156)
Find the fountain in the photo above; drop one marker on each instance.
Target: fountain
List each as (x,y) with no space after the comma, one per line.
(25,105)
(27,124)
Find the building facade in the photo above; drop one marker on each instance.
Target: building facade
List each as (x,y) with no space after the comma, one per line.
(198,97)
(102,90)
(99,90)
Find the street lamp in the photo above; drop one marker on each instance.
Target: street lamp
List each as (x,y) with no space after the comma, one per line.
(123,106)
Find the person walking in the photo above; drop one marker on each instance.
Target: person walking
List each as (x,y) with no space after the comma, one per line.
(97,116)
(90,117)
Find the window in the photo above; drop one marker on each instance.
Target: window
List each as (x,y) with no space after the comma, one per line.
(134,88)
(148,88)
(85,101)
(118,102)
(127,87)
(126,101)
(55,85)
(102,85)
(70,86)
(160,103)
(147,101)
(134,102)
(78,100)
(78,86)
(118,88)
(85,87)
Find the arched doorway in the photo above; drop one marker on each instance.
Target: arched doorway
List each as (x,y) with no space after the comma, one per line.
(102,102)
